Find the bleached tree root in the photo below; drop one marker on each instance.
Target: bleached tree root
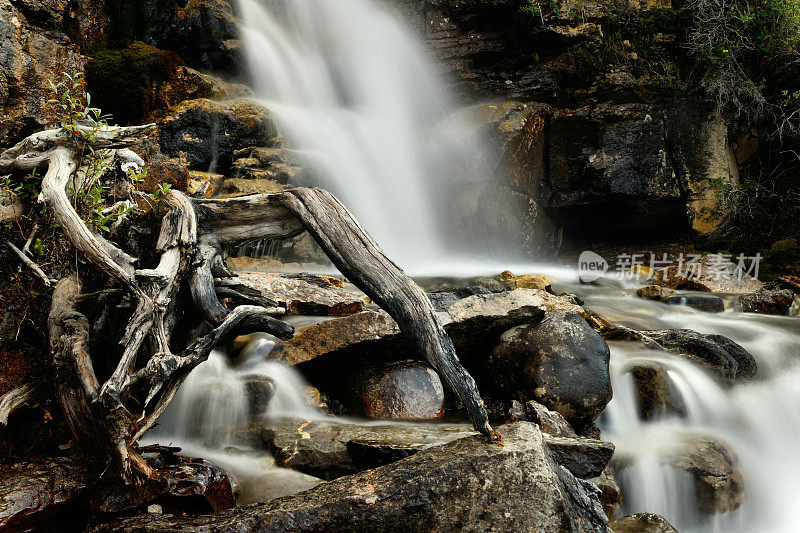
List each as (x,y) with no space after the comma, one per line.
(191,245)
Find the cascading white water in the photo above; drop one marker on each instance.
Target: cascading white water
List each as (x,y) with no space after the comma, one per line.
(758,420)
(354,91)
(213,403)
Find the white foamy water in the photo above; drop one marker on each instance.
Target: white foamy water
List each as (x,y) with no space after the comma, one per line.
(758,420)
(213,407)
(356,94)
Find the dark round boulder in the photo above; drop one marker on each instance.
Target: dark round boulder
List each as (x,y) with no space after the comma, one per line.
(403,390)
(560,362)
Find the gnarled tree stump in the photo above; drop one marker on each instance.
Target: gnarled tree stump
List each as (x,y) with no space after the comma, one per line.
(193,237)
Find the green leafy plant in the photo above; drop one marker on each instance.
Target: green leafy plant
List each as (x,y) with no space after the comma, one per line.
(750,52)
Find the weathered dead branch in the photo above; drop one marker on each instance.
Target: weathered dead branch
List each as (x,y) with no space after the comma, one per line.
(191,245)
(27,395)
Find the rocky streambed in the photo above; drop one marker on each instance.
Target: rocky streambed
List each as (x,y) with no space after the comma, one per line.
(619,412)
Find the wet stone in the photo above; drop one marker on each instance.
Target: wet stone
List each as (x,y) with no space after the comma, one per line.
(642,523)
(561,363)
(767,302)
(404,390)
(710,304)
(655,395)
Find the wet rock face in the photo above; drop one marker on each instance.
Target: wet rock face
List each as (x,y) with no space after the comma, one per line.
(715,468)
(465,485)
(654,394)
(31,56)
(209,132)
(768,302)
(642,523)
(405,390)
(710,304)
(203,32)
(560,362)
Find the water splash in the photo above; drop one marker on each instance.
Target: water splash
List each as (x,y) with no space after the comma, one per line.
(356,94)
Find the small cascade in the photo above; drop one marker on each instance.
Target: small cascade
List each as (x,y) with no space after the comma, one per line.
(222,396)
(757,420)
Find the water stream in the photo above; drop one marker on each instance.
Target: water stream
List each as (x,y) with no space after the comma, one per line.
(759,420)
(355,94)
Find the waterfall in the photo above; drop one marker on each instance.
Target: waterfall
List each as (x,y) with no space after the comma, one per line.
(356,94)
(221,396)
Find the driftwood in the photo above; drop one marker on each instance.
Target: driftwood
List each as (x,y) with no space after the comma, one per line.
(191,245)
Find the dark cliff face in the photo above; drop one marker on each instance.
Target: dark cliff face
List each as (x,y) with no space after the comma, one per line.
(588,112)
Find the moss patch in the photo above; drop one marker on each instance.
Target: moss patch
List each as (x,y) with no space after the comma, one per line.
(126,82)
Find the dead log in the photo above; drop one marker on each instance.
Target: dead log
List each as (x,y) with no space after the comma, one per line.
(26,395)
(149,369)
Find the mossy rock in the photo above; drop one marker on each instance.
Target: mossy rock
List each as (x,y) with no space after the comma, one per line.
(125,82)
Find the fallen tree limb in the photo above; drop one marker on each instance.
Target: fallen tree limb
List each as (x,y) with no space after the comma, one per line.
(28,262)
(145,366)
(26,395)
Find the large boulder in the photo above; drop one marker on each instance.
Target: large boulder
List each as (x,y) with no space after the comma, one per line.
(401,390)
(719,354)
(208,132)
(465,485)
(560,362)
